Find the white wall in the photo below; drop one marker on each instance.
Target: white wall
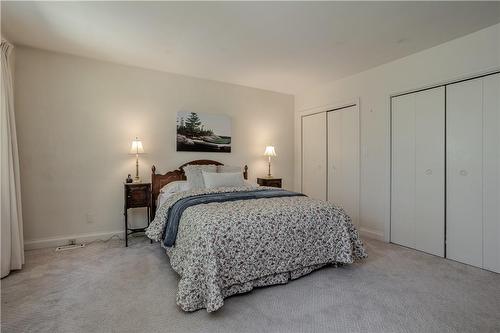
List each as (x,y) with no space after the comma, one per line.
(467,56)
(76,118)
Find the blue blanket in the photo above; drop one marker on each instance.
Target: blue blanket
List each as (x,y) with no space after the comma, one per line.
(175,212)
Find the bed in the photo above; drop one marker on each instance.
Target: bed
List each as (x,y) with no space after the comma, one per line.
(228,240)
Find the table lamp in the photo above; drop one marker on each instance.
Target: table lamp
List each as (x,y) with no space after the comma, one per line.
(137,149)
(269,152)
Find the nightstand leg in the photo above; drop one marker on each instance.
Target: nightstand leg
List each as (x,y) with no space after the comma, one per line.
(126,228)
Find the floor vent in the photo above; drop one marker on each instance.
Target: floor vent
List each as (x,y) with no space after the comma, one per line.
(70,247)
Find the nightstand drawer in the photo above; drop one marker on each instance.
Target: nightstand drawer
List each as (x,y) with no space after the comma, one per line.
(137,196)
(272,182)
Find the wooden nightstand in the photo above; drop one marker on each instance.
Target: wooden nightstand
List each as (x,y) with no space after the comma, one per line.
(136,195)
(273,182)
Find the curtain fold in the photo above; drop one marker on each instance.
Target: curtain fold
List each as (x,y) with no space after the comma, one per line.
(12,246)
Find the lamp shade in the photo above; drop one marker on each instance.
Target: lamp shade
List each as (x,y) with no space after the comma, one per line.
(136,147)
(269,151)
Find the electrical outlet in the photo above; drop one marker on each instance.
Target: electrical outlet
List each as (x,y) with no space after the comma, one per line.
(90,218)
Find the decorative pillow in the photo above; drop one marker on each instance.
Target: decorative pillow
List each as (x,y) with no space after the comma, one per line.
(226,179)
(228,168)
(194,176)
(175,186)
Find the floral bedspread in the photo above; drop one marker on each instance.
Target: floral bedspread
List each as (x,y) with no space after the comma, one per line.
(226,248)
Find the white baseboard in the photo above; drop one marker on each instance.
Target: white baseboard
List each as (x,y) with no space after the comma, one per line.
(41,243)
(367,233)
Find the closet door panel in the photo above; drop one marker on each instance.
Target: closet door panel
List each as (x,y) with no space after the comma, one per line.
(335,133)
(491,173)
(343,159)
(430,170)
(464,136)
(314,155)
(403,171)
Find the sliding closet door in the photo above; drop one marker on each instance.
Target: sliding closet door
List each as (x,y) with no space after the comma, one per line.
(343,159)
(417,179)
(314,155)
(491,173)
(464,131)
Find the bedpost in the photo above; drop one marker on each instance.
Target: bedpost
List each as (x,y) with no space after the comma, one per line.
(245,172)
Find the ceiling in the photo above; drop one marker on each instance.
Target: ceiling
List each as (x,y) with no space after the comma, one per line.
(279,46)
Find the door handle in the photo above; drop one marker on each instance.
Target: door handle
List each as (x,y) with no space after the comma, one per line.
(428,172)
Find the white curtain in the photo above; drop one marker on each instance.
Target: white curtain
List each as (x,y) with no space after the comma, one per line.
(12,246)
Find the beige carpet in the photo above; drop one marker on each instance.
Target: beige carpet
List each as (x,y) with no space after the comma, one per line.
(109,288)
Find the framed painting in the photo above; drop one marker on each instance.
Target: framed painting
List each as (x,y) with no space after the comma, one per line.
(203,132)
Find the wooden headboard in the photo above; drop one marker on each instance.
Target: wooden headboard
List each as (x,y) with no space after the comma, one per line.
(159,180)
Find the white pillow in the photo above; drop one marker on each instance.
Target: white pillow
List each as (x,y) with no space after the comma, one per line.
(228,168)
(175,186)
(251,184)
(194,176)
(226,179)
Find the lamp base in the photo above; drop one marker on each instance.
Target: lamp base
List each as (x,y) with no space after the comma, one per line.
(137,179)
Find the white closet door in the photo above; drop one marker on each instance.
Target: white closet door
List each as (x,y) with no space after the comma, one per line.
(417,193)
(430,171)
(491,173)
(403,171)
(314,155)
(464,138)
(343,159)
